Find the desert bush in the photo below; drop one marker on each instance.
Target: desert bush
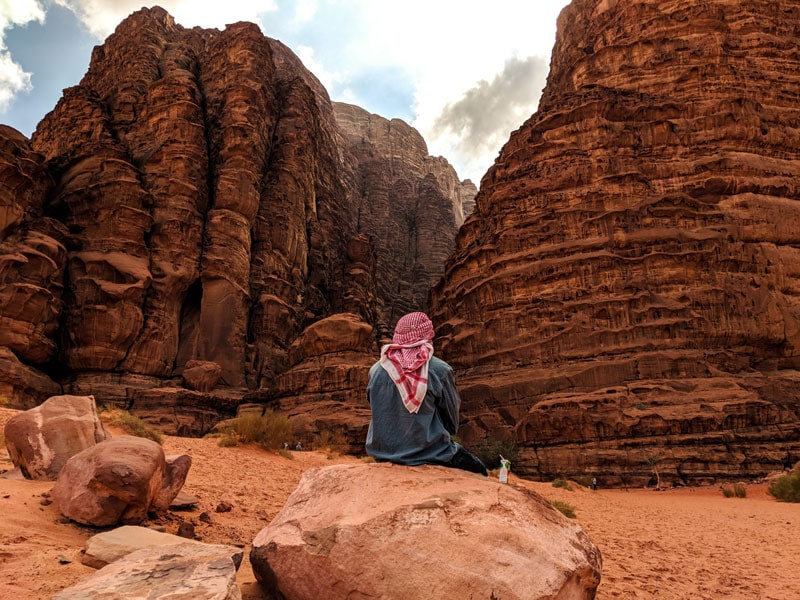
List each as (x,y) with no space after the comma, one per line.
(786,488)
(131,424)
(332,439)
(560,482)
(566,509)
(738,491)
(269,430)
(227,440)
(490,449)
(584,481)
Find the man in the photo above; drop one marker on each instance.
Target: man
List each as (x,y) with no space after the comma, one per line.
(414,402)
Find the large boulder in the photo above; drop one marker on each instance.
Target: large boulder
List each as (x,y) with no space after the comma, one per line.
(42,439)
(188,570)
(387,531)
(117,481)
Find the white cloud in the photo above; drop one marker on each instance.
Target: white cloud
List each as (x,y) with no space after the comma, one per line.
(466,71)
(13,78)
(101,17)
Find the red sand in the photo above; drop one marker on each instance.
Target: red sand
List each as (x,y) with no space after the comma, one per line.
(690,543)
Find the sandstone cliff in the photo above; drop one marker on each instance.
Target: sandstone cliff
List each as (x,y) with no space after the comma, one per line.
(624,300)
(185,212)
(408,198)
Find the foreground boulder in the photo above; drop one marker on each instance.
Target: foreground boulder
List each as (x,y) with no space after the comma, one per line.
(118,481)
(189,570)
(42,439)
(110,546)
(386,531)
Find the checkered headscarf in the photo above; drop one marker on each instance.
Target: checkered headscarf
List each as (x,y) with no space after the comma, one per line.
(406,358)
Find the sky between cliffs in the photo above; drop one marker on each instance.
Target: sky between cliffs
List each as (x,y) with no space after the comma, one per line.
(465,73)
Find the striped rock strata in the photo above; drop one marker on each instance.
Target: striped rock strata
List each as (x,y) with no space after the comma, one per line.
(624,300)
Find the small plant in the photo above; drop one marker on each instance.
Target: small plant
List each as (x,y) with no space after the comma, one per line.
(640,406)
(786,488)
(737,491)
(285,454)
(268,430)
(335,440)
(562,483)
(132,425)
(227,440)
(565,509)
(584,481)
(488,450)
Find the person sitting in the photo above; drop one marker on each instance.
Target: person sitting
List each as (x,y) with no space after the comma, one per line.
(414,402)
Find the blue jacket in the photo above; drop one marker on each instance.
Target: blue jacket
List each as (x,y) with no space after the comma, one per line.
(398,436)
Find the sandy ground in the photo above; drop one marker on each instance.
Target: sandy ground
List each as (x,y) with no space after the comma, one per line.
(676,544)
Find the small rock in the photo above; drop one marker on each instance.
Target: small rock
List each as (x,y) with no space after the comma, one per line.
(205,517)
(186,530)
(224,507)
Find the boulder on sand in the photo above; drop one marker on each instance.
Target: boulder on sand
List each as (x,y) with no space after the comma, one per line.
(117,481)
(41,440)
(388,531)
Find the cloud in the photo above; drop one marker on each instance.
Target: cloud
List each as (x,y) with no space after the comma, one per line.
(473,127)
(13,78)
(101,17)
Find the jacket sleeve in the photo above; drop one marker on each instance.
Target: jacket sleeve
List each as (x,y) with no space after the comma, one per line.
(450,403)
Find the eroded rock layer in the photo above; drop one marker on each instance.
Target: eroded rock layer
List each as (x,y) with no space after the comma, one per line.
(407,198)
(184,213)
(624,300)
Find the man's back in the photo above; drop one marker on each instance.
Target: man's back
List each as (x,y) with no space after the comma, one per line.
(403,437)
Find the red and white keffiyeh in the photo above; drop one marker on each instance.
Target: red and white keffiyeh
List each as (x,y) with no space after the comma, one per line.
(406,358)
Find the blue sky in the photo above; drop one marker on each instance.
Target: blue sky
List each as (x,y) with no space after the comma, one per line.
(465,73)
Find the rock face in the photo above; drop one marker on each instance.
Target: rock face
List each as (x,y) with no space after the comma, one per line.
(387,531)
(625,297)
(42,439)
(322,391)
(32,261)
(187,570)
(118,481)
(179,219)
(408,198)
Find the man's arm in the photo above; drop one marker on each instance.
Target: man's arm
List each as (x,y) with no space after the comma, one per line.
(451,402)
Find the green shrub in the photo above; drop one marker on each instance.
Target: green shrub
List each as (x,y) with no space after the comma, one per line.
(566,509)
(584,481)
(562,483)
(786,488)
(269,430)
(490,449)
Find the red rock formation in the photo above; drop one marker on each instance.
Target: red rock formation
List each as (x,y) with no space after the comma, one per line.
(200,207)
(406,201)
(624,298)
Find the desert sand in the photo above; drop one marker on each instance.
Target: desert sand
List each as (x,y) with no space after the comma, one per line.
(674,544)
